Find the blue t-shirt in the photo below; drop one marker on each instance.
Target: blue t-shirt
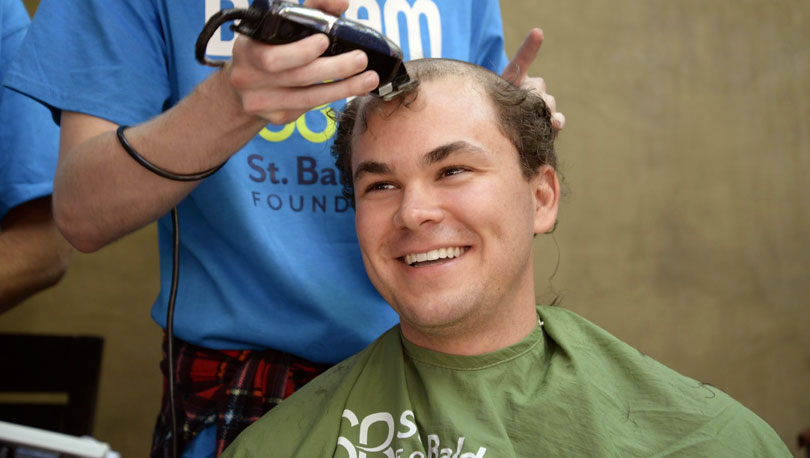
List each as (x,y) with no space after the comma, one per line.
(269,257)
(29,139)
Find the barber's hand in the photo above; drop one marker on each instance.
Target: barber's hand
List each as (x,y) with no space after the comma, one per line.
(517,71)
(281,82)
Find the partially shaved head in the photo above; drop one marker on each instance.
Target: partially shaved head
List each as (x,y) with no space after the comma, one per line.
(522,115)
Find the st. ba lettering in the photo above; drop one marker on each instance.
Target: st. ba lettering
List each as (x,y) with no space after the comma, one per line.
(307,172)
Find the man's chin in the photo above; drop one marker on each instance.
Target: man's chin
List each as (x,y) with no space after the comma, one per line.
(432,315)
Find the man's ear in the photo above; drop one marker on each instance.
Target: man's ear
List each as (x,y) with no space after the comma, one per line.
(546,187)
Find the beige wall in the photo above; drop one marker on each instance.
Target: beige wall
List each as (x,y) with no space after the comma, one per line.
(686,230)
(687,153)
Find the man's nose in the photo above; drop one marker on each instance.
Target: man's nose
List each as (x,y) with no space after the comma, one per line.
(418,206)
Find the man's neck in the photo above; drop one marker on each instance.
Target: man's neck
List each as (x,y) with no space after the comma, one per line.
(487,334)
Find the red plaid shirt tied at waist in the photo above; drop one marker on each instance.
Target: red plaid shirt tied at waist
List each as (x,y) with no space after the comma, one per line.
(228,388)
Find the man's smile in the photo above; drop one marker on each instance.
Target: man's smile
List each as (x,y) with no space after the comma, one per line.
(429,257)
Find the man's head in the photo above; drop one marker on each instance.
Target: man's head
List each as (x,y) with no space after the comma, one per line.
(450,184)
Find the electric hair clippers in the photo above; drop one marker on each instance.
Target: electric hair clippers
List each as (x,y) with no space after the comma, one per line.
(279,22)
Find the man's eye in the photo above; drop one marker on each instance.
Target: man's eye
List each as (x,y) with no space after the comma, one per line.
(379,186)
(453,170)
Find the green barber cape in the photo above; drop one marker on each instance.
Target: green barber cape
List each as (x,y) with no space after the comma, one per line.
(569,389)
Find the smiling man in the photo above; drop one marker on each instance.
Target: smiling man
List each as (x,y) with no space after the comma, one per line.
(451,184)
(446,217)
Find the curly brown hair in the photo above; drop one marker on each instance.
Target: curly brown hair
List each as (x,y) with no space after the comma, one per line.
(523,116)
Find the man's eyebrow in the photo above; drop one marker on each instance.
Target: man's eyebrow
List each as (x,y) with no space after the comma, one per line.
(377,168)
(433,156)
(442,152)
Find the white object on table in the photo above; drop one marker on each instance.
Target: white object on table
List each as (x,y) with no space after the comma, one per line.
(53,441)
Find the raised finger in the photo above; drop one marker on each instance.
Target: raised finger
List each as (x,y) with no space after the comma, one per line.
(517,69)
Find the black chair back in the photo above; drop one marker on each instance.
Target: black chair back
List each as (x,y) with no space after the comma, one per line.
(50,382)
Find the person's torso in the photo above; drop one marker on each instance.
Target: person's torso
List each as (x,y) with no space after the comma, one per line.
(568,389)
(269,257)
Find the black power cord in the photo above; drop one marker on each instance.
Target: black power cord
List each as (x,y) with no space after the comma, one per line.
(170,325)
(157,170)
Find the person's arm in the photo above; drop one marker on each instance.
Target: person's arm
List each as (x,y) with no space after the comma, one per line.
(101,194)
(34,254)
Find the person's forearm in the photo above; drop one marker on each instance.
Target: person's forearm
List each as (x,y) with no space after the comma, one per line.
(101,193)
(33,254)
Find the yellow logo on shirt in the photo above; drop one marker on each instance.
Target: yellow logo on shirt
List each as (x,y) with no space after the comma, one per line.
(303,128)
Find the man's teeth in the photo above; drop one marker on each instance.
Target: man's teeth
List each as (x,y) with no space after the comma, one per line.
(432,255)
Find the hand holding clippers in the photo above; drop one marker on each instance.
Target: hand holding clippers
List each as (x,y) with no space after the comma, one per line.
(280,22)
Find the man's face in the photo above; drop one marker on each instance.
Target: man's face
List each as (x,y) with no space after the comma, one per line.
(444,217)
